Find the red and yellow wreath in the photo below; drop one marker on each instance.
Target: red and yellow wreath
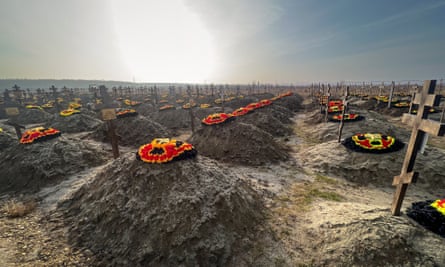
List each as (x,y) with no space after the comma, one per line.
(126,112)
(33,107)
(205,105)
(403,104)
(68,112)
(166,107)
(430,214)
(128,102)
(265,102)
(333,109)
(163,150)
(373,143)
(254,105)
(347,117)
(217,118)
(38,134)
(74,105)
(241,111)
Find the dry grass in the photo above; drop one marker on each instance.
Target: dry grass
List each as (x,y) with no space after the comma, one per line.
(15,209)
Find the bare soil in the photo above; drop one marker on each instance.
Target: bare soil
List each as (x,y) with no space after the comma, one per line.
(317,205)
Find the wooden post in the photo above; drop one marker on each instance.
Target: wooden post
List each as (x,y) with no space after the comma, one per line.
(192,120)
(421,126)
(113,137)
(345,106)
(327,104)
(108,115)
(393,85)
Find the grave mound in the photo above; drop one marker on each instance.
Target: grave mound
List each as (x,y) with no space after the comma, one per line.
(184,213)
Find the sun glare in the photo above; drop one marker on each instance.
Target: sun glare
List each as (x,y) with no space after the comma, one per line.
(162,41)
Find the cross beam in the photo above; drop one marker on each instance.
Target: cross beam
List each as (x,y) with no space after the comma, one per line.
(421,125)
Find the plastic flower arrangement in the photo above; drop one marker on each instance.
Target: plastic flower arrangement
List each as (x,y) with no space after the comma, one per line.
(163,150)
(188,105)
(334,103)
(347,118)
(403,104)
(430,214)
(166,107)
(372,143)
(38,134)
(125,112)
(217,118)
(265,102)
(48,105)
(33,107)
(204,105)
(241,111)
(288,93)
(333,109)
(254,105)
(74,105)
(68,112)
(131,103)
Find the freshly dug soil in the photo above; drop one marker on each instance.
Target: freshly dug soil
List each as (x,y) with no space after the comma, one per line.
(265,120)
(75,123)
(174,119)
(133,131)
(238,142)
(30,116)
(184,213)
(28,168)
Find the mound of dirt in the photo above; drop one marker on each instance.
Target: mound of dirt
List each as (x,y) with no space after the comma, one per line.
(75,123)
(239,143)
(265,120)
(133,131)
(30,116)
(6,141)
(372,237)
(183,213)
(293,102)
(174,119)
(376,169)
(145,109)
(27,168)
(313,126)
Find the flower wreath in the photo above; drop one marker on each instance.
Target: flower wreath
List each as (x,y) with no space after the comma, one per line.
(128,102)
(430,214)
(122,113)
(68,112)
(254,105)
(265,102)
(38,134)
(373,143)
(241,111)
(165,107)
(33,107)
(162,150)
(217,118)
(347,118)
(403,104)
(205,106)
(334,109)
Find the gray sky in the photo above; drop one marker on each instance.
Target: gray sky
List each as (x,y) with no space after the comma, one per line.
(223,41)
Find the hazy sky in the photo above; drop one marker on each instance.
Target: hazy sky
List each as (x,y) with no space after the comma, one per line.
(223,41)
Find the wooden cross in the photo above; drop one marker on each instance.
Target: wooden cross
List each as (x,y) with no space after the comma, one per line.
(421,126)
